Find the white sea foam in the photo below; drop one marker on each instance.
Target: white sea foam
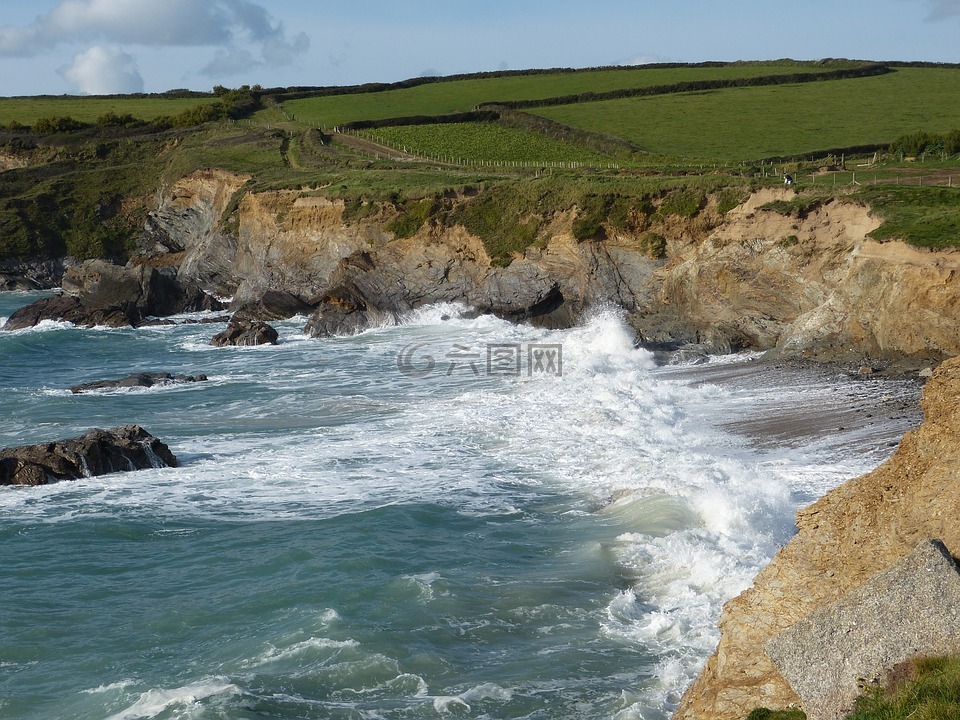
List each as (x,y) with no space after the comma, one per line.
(313,429)
(315,646)
(487,691)
(112,687)
(154,702)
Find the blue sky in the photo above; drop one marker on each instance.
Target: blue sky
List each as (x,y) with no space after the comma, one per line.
(107,46)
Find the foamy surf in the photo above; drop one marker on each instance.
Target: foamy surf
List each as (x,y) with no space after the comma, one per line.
(539,524)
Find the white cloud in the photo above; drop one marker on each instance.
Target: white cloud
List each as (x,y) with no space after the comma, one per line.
(104,71)
(234,26)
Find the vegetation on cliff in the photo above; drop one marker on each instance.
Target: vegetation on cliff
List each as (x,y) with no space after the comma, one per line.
(80,174)
(927,688)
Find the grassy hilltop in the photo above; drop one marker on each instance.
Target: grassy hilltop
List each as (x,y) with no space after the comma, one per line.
(79,174)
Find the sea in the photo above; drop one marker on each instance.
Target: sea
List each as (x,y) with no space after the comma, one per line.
(446,517)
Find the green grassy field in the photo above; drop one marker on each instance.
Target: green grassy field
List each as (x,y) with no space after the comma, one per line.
(86,192)
(442,98)
(28,110)
(484,143)
(782,120)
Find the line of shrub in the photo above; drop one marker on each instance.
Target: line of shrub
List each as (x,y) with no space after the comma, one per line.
(699,85)
(920,143)
(233,105)
(299,92)
(476,116)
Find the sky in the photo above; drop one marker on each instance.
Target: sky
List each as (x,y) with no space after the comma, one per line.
(87,47)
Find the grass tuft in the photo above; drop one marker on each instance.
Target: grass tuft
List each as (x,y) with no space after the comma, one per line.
(922,689)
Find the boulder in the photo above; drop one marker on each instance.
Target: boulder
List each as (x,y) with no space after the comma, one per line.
(68,309)
(911,609)
(32,275)
(96,452)
(138,380)
(246,332)
(342,311)
(100,293)
(274,305)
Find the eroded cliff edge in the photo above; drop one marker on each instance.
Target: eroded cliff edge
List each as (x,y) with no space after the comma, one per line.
(843,539)
(808,284)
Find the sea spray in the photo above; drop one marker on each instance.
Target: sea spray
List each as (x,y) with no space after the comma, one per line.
(530,535)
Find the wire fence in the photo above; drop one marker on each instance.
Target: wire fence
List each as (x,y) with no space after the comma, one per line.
(817,178)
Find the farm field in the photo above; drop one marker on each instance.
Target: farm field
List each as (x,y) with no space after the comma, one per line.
(443,98)
(750,123)
(483,143)
(28,110)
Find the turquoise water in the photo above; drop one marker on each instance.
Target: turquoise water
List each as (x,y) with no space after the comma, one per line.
(349,537)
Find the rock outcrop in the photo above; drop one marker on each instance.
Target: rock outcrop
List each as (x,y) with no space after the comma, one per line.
(143,380)
(845,538)
(273,305)
(242,332)
(42,275)
(98,292)
(96,452)
(809,284)
(909,610)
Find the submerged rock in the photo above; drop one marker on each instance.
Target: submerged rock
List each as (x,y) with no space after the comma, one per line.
(96,452)
(244,332)
(138,380)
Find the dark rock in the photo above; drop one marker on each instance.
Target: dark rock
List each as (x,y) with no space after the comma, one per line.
(911,609)
(97,452)
(162,322)
(274,305)
(138,380)
(99,293)
(32,275)
(343,311)
(246,332)
(513,299)
(65,308)
(373,289)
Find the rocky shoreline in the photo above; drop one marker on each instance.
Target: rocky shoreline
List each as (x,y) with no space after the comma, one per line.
(860,529)
(810,288)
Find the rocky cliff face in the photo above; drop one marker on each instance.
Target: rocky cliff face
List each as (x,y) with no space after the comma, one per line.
(809,285)
(845,538)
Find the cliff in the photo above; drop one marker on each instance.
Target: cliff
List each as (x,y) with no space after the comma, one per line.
(804,284)
(843,539)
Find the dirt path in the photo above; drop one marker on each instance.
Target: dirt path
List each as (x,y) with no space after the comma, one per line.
(373,148)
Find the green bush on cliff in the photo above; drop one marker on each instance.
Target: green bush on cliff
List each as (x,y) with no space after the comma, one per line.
(926,688)
(50,125)
(729,198)
(765,714)
(923,216)
(597,212)
(413,215)
(685,202)
(502,220)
